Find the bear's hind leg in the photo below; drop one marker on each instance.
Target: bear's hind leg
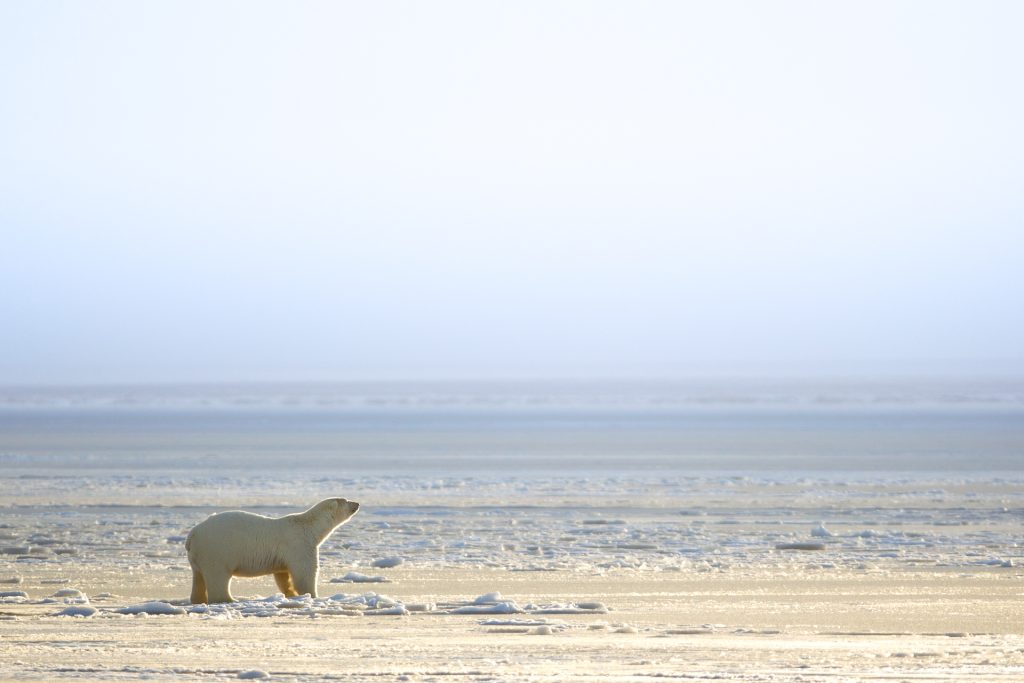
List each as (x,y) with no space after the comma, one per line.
(284,583)
(218,586)
(198,588)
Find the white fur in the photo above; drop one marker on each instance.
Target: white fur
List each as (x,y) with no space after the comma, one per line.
(240,543)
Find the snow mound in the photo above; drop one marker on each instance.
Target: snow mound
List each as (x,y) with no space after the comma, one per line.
(253,674)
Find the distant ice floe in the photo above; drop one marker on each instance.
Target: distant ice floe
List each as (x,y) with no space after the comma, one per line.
(454,396)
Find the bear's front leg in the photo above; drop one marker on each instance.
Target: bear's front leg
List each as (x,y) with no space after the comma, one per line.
(304,574)
(218,586)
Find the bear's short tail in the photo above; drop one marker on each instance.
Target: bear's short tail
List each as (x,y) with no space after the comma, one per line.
(188,541)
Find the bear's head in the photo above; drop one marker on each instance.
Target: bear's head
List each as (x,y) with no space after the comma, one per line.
(326,516)
(342,509)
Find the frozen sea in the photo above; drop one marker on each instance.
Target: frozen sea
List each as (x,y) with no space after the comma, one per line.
(584,476)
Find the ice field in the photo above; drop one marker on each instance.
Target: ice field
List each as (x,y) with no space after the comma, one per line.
(778,534)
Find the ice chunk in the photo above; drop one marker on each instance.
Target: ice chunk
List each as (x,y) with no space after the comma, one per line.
(821,532)
(579,608)
(515,622)
(253,674)
(77,611)
(387,562)
(799,546)
(420,606)
(488,598)
(155,607)
(356,577)
(592,606)
(507,607)
(509,629)
(292,604)
(396,610)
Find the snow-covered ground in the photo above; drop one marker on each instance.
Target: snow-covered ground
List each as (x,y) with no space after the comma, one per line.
(625,579)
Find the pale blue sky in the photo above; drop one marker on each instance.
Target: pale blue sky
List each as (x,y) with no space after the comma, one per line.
(306,190)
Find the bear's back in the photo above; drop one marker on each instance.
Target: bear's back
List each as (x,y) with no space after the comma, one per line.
(221,526)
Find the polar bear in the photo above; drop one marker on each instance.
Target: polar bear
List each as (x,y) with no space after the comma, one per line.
(238,543)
